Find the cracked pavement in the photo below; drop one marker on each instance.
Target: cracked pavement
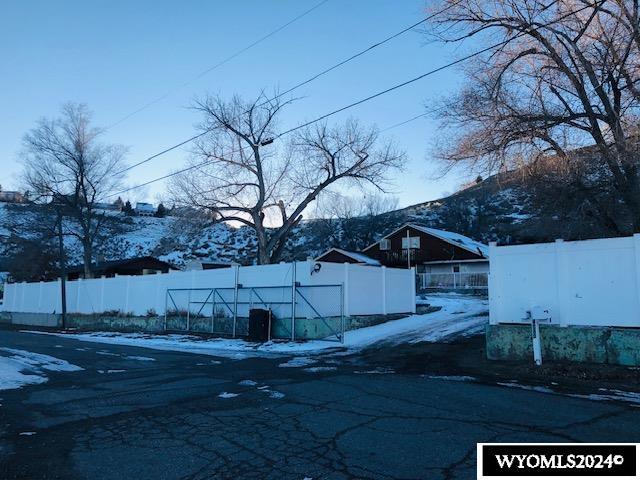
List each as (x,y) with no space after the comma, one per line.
(166,419)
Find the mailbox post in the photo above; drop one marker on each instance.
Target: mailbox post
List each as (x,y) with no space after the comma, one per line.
(537,315)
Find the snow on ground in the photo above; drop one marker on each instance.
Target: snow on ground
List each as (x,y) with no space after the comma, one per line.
(632,398)
(227,395)
(459,314)
(27,368)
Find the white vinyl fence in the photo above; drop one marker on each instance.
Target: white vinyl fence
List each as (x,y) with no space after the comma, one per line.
(366,290)
(590,282)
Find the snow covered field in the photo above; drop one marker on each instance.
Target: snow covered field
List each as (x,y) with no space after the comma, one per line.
(21,367)
(460,315)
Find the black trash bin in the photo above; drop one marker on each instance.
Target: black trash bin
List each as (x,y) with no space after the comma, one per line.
(259,324)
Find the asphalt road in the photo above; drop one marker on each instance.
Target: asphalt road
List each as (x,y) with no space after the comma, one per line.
(164,419)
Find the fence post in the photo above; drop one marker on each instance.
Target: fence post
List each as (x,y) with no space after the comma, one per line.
(636,248)
(158,301)
(189,308)
(102,281)
(413,290)
(78,287)
(493,297)
(23,291)
(166,308)
(126,296)
(40,295)
(384,290)
(293,301)
(342,326)
(235,299)
(347,311)
(59,296)
(560,282)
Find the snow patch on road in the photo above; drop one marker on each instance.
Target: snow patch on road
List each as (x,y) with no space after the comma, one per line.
(616,395)
(632,398)
(274,394)
(22,367)
(376,371)
(298,362)
(227,395)
(533,388)
(451,378)
(320,369)
(140,359)
(247,383)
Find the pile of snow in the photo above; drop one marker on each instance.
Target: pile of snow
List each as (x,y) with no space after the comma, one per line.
(27,368)
(459,314)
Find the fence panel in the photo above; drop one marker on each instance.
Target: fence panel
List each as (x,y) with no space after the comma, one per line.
(318,310)
(367,290)
(589,282)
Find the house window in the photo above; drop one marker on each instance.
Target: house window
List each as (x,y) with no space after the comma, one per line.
(456,269)
(385,244)
(410,242)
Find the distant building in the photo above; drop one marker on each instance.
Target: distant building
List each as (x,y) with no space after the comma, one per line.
(430,250)
(114,207)
(442,259)
(145,209)
(12,197)
(337,255)
(129,266)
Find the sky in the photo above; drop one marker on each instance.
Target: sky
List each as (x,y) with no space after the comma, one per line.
(117,56)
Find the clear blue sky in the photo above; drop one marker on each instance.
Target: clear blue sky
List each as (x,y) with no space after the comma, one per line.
(117,55)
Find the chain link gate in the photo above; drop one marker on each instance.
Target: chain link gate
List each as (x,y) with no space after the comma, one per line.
(302,312)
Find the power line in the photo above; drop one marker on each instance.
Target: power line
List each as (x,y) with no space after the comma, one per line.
(412,119)
(217,65)
(366,50)
(395,87)
(366,99)
(304,82)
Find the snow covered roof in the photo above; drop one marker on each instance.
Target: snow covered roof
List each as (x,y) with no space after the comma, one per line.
(144,206)
(450,237)
(455,239)
(357,256)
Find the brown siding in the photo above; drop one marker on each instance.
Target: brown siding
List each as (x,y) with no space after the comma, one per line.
(431,249)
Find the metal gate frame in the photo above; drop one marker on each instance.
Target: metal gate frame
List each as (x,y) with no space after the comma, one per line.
(232,306)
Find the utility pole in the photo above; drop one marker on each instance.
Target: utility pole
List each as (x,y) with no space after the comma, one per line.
(63,269)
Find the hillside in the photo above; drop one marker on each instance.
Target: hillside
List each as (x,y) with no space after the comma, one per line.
(499,209)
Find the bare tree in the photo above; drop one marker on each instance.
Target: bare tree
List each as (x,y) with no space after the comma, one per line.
(247,178)
(67,167)
(567,76)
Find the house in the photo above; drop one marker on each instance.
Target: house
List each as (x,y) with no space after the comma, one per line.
(337,255)
(145,209)
(430,250)
(114,207)
(11,197)
(442,259)
(129,266)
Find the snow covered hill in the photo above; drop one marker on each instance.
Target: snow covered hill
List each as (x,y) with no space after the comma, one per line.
(498,209)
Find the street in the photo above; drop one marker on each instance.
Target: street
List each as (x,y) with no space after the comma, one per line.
(141,414)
